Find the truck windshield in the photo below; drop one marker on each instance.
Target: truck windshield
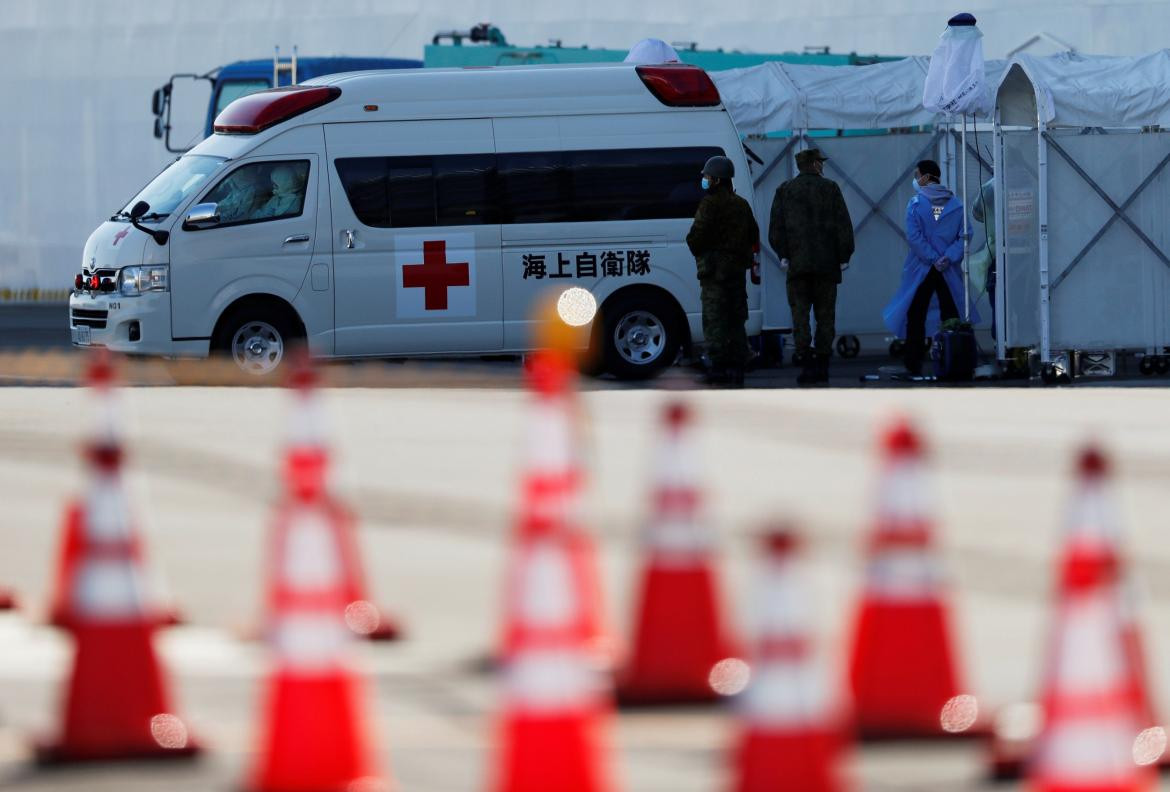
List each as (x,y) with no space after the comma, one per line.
(231,90)
(174,185)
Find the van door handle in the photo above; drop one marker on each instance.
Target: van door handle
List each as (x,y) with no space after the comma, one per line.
(349,235)
(296,238)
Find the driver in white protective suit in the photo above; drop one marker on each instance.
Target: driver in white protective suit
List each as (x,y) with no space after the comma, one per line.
(286,193)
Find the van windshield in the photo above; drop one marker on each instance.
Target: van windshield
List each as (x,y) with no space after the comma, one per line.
(174,185)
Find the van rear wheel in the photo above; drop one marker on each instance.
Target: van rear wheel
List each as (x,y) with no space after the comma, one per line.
(641,335)
(258,340)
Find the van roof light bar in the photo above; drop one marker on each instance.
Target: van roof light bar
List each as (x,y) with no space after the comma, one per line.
(680,85)
(256,112)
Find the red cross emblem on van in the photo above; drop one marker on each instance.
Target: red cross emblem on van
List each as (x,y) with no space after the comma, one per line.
(442,281)
(118,237)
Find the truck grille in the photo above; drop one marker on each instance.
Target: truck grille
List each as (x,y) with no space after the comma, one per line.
(87,317)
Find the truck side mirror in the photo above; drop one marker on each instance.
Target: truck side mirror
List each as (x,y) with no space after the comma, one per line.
(156,102)
(158,128)
(204,215)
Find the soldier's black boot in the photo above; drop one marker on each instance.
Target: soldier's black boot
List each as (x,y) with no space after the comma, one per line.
(822,366)
(715,376)
(808,375)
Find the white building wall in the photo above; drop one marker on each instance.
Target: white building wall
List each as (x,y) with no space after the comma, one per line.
(75,126)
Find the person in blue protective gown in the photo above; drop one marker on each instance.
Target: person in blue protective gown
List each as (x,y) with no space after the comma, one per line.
(934,231)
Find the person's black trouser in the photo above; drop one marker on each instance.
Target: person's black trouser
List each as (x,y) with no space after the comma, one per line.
(916,316)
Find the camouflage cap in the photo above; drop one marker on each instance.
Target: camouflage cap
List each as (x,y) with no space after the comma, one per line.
(809,156)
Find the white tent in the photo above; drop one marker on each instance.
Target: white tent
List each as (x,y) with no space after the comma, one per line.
(1085,250)
(847,112)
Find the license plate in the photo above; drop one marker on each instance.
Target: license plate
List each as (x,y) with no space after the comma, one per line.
(82,335)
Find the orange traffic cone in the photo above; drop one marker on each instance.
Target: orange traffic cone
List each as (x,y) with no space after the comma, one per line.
(1092,521)
(314,734)
(100,377)
(903,671)
(307,457)
(555,702)
(551,494)
(116,703)
(681,644)
(790,732)
(1092,738)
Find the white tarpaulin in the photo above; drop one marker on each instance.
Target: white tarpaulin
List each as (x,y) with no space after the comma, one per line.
(774,97)
(652,50)
(956,82)
(1088,91)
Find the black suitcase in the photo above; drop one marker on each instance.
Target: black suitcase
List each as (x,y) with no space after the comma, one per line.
(955,352)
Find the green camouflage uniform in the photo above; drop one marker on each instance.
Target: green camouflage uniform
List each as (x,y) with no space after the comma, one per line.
(810,227)
(722,240)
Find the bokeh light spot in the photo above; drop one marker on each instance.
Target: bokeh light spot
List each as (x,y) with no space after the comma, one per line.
(576,306)
(729,676)
(959,714)
(168,731)
(1149,745)
(362,617)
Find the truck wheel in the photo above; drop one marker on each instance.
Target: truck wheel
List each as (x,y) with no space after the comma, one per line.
(848,346)
(1146,365)
(258,339)
(1162,364)
(641,335)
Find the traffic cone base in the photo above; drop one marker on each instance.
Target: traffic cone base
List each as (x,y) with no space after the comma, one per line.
(679,640)
(116,701)
(316,740)
(547,752)
(804,761)
(902,672)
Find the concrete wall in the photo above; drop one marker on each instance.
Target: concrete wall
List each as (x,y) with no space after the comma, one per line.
(75,122)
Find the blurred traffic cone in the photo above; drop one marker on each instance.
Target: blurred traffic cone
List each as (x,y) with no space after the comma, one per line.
(1092,702)
(551,495)
(555,702)
(116,704)
(306,472)
(903,671)
(681,644)
(790,732)
(106,429)
(314,734)
(1093,529)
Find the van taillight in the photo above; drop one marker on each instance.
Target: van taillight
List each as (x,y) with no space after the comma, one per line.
(255,112)
(680,85)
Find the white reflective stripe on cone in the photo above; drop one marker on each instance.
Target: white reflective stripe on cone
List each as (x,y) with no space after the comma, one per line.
(1090,661)
(1085,751)
(550,439)
(786,694)
(109,588)
(679,542)
(545,594)
(107,513)
(1093,515)
(552,681)
(902,493)
(106,418)
(312,560)
(307,422)
(783,611)
(903,575)
(311,641)
(677,463)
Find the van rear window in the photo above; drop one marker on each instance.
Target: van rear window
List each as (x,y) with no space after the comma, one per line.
(526,187)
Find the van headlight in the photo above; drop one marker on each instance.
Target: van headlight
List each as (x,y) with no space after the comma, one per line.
(137,280)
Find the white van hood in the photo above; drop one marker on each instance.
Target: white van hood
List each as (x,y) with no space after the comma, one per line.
(113,246)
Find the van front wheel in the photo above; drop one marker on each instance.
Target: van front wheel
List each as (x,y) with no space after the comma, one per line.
(258,342)
(641,335)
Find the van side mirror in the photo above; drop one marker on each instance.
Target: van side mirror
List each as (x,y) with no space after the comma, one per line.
(139,209)
(136,213)
(201,216)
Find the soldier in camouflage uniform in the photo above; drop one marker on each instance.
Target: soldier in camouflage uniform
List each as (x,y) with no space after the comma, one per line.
(722,240)
(811,232)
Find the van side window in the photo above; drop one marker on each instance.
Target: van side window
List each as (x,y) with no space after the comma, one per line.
(260,191)
(525,187)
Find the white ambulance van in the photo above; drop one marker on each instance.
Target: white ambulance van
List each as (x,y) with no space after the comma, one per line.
(420,213)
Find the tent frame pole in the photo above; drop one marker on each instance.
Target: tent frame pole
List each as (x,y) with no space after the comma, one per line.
(1000,199)
(1042,219)
(966,228)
